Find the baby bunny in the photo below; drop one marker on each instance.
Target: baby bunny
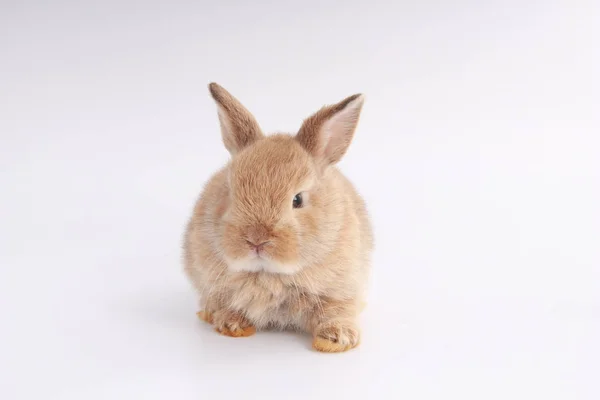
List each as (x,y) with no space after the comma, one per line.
(279,238)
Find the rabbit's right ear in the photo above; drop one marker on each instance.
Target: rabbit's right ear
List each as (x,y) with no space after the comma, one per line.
(238,127)
(328,133)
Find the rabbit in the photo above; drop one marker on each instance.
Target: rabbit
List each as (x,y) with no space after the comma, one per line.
(279,238)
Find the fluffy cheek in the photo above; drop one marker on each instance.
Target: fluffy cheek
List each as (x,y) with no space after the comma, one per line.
(314,242)
(285,247)
(234,246)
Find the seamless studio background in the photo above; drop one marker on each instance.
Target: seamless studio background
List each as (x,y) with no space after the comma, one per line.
(477,153)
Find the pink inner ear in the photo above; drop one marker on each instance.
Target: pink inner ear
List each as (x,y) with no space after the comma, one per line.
(328,133)
(337,132)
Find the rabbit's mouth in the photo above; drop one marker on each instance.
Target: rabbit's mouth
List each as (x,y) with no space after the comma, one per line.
(261,262)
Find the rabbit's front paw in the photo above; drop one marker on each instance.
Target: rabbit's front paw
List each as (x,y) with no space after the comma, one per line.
(336,338)
(230,323)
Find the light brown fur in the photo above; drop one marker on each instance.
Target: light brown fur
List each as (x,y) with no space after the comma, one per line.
(316,259)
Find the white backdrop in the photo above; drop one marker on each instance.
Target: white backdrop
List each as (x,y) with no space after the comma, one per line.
(486,277)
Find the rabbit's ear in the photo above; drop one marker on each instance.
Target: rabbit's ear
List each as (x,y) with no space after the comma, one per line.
(238,127)
(328,133)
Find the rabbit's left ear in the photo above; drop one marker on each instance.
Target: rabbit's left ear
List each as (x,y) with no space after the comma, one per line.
(239,129)
(328,133)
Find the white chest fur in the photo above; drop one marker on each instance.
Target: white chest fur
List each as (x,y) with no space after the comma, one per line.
(267,300)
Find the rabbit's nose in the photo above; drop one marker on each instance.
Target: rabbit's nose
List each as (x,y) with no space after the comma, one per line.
(257,246)
(258,235)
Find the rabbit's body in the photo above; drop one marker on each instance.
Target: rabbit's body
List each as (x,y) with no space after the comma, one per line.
(258,262)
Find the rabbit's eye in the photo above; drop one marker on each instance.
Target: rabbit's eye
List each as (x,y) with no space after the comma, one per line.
(297,203)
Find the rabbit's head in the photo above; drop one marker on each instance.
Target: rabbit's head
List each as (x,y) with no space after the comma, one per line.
(281,211)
